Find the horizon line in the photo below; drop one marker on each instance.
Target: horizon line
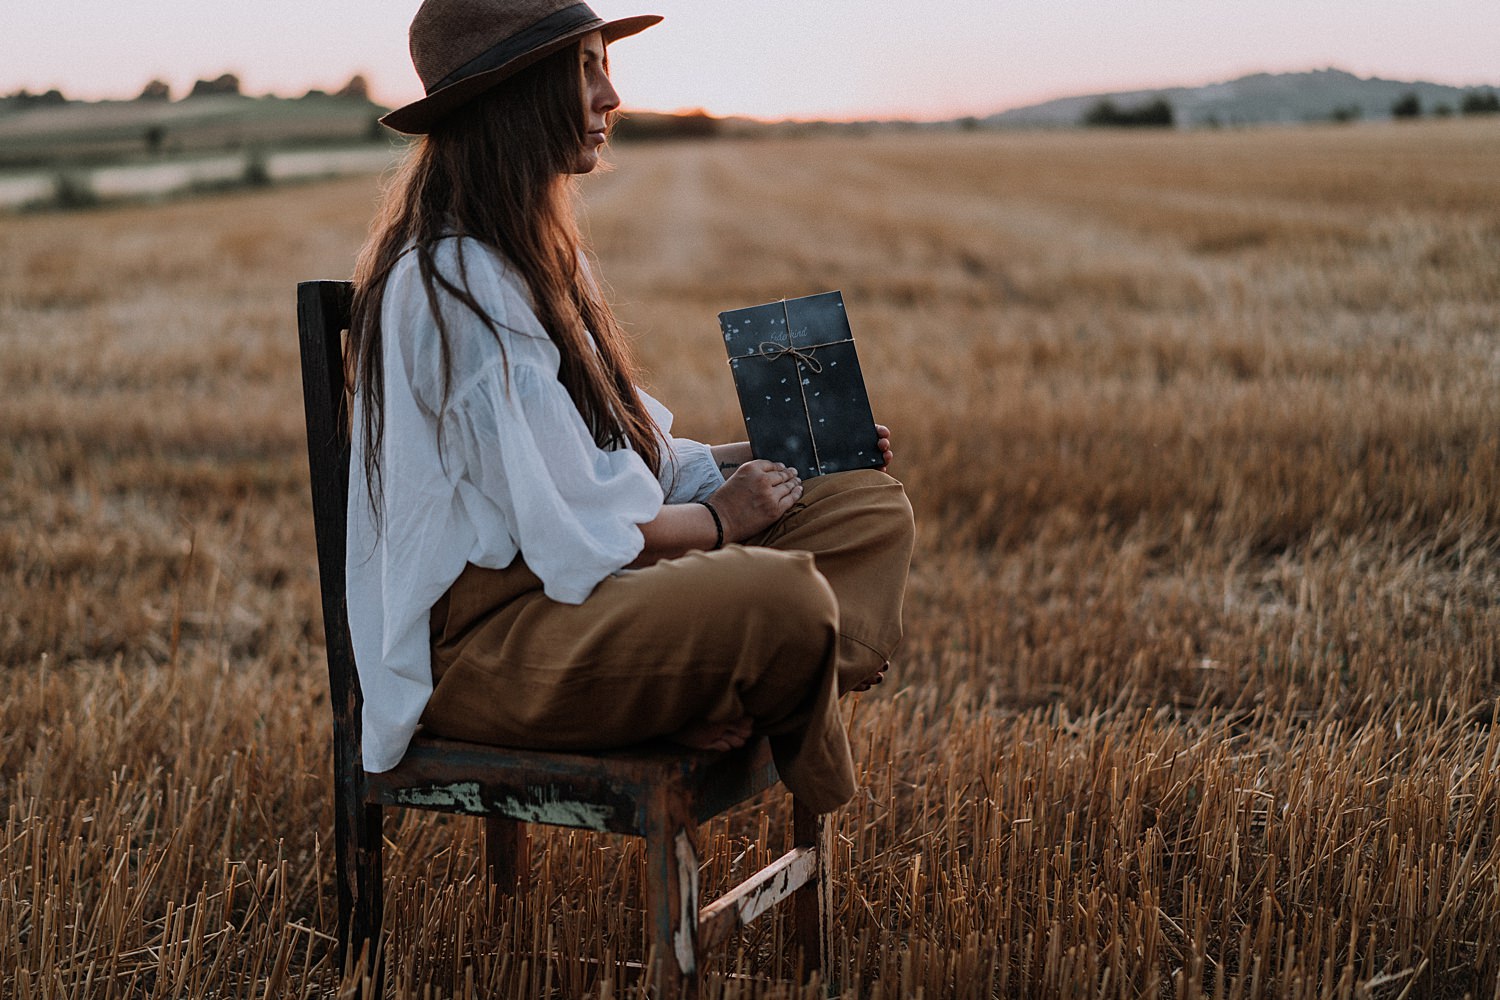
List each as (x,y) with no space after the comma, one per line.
(874,115)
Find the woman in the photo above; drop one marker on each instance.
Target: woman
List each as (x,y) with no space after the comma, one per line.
(533,559)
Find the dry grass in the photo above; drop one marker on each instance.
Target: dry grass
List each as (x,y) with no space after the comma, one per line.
(1203,433)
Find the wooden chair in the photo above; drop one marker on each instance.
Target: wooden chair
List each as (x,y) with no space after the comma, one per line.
(659,794)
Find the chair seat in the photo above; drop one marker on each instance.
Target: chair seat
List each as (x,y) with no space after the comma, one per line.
(605,790)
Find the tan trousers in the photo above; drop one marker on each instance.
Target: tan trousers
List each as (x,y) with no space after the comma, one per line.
(774,630)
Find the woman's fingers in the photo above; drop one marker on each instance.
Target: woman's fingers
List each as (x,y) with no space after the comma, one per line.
(883,443)
(781,482)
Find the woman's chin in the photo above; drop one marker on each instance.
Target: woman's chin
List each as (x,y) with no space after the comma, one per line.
(587,160)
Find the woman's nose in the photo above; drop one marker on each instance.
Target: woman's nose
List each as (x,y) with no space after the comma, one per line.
(607,98)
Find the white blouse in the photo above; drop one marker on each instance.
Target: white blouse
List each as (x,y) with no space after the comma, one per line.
(507,466)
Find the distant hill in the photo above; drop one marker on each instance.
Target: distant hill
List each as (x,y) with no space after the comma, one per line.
(1259,98)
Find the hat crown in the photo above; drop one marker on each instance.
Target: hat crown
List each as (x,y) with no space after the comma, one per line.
(448,34)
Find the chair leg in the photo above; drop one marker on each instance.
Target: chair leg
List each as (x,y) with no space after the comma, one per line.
(358,860)
(672,897)
(812,905)
(506,853)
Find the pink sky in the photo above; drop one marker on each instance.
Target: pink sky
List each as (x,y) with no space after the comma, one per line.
(777,58)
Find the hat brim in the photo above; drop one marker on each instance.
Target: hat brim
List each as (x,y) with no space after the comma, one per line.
(421,116)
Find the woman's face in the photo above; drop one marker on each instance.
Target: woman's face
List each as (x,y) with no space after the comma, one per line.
(599,99)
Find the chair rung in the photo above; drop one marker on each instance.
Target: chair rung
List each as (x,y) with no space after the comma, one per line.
(757,894)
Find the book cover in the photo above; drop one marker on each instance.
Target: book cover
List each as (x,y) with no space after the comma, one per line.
(800,387)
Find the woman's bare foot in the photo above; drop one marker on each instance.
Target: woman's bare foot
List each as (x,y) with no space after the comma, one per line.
(714,735)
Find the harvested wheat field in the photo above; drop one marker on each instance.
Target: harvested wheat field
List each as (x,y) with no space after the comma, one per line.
(1203,661)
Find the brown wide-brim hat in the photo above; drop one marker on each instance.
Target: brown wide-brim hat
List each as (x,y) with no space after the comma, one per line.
(461,48)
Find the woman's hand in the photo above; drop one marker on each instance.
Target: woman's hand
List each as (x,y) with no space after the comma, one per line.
(883,433)
(753,498)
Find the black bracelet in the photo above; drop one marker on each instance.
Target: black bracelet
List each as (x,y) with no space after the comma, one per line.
(718,525)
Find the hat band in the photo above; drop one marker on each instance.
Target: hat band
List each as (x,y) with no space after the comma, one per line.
(551,27)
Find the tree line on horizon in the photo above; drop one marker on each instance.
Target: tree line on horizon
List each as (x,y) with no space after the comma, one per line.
(1156,113)
(356,88)
(1474,102)
(1159,113)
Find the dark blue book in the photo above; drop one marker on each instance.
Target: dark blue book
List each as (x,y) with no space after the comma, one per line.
(801,391)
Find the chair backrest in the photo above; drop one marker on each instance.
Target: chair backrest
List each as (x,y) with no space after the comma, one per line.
(322,317)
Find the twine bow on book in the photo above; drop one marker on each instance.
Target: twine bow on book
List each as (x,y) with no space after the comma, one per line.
(772,351)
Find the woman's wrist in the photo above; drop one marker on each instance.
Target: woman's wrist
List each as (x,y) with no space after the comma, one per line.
(718,525)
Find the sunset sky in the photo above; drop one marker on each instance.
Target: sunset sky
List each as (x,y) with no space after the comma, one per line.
(776,58)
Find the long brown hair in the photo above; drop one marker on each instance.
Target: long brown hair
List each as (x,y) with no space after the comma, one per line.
(500,171)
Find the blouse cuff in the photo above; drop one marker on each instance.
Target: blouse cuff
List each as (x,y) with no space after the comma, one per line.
(689,472)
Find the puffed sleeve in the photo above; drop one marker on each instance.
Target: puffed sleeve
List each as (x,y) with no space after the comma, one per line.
(514,448)
(525,462)
(688,469)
